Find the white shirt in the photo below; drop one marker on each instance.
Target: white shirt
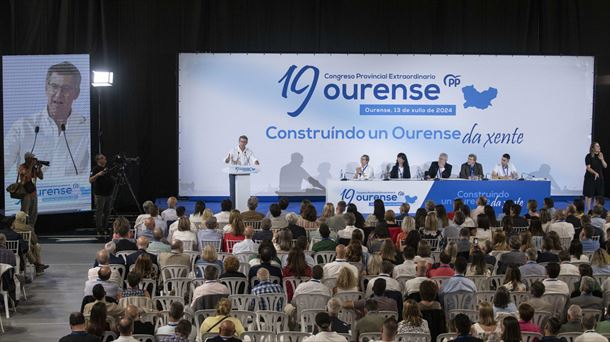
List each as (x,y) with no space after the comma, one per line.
(502,171)
(555,286)
(174,228)
(140,221)
(480,209)
(222,217)
(591,336)
(50,145)
(562,228)
(126,339)
(346,233)
(247,245)
(169,214)
(312,287)
(568,269)
(325,336)
(390,284)
(332,269)
(412,285)
(366,173)
(407,268)
(185,236)
(239,157)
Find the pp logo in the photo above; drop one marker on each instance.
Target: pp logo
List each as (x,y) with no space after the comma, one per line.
(451,80)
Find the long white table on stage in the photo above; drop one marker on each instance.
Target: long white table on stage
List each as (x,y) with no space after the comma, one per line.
(417,192)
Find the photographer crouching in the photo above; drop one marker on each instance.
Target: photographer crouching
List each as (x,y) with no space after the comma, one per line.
(102,184)
(29,172)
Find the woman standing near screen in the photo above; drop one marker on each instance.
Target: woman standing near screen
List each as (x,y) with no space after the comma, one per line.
(401,168)
(594,176)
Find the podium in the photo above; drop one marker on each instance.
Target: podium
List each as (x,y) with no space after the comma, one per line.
(239,185)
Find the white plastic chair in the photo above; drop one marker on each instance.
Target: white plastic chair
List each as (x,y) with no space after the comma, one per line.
(259,336)
(292,336)
(308,320)
(3,269)
(174,271)
(201,315)
(177,287)
(413,337)
(166,301)
(243,302)
(324,257)
(144,338)
(369,337)
(271,321)
(234,284)
(217,244)
(309,302)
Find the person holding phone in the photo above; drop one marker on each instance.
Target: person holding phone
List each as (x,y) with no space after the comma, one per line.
(594,176)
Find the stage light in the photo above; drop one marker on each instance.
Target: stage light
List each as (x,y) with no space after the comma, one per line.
(102,79)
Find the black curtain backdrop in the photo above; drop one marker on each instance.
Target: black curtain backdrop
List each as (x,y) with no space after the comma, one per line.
(140,39)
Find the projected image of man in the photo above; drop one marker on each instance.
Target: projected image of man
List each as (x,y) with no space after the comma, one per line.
(505,170)
(57,133)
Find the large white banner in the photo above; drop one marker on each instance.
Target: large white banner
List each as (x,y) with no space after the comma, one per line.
(310,117)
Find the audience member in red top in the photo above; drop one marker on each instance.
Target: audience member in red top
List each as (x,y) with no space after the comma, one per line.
(457,205)
(295,267)
(526,313)
(235,234)
(444,269)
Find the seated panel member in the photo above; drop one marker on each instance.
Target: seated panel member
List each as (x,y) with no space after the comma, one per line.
(440,168)
(401,169)
(504,170)
(365,170)
(471,168)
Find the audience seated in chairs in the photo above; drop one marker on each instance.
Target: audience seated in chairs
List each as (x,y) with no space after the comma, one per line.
(332,269)
(209,232)
(551,283)
(247,244)
(98,323)
(526,314)
(99,294)
(326,244)
(142,244)
(265,286)
(211,286)
(175,257)
(125,329)
(333,307)
(209,256)
(371,319)
(78,330)
(510,330)
(223,313)
(587,300)
(102,259)
(34,253)
(133,286)
(103,278)
(463,326)
(574,323)
(176,311)
(226,334)
(139,327)
(266,255)
(159,244)
(536,301)
(265,233)
(251,214)
(231,268)
(122,239)
(326,334)
(551,329)
(589,334)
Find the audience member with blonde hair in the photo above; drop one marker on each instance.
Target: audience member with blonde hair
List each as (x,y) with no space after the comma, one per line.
(346,281)
(223,313)
(208,257)
(487,323)
(412,319)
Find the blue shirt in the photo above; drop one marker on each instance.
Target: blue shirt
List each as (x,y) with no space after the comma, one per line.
(267,287)
(589,245)
(458,283)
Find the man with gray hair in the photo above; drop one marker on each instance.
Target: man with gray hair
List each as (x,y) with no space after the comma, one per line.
(251,214)
(296,230)
(103,259)
(209,232)
(158,245)
(147,206)
(587,300)
(175,257)
(531,267)
(574,323)
(346,233)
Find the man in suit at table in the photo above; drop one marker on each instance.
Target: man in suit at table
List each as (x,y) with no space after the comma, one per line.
(440,168)
(471,168)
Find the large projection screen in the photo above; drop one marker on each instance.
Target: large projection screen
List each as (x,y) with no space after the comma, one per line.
(47,112)
(312,116)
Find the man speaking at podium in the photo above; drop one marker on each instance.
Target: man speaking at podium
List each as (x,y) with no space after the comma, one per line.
(241,155)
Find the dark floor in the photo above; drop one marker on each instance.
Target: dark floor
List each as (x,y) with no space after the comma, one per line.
(51,297)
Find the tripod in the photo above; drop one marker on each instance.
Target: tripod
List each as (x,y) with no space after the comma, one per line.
(120,182)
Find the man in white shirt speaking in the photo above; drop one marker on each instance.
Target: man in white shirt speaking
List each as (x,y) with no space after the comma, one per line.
(241,155)
(505,170)
(365,170)
(57,133)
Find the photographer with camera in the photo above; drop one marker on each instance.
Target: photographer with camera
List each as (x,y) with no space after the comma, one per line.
(29,172)
(102,184)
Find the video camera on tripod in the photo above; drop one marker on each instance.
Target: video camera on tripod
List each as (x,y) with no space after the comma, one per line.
(119,163)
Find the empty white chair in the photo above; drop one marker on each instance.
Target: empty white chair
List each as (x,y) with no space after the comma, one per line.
(144,338)
(164,302)
(259,336)
(308,320)
(271,321)
(370,336)
(324,257)
(236,285)
(174,271)
(244,302)
(217,244)
(292,336)
(413,337)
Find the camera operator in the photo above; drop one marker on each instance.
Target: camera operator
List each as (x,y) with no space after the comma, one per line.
(102,184)
(29,172)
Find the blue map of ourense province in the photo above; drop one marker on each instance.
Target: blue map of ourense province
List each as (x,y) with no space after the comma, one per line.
(478,99)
